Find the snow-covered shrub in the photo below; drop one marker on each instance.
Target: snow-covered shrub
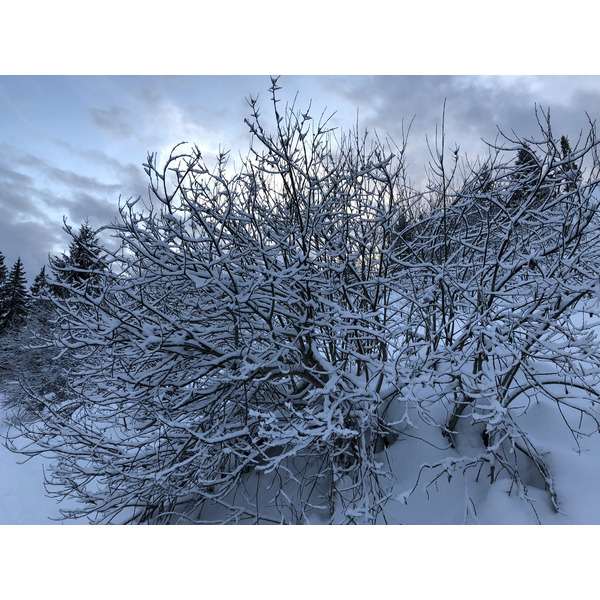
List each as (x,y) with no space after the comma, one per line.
(242,334)
(500,291)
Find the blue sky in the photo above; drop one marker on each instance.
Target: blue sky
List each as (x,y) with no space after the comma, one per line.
(72,145)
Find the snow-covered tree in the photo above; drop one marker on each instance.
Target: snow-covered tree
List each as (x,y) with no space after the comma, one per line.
(78,266)
(14,298)
(41,293)
(29,367)
(3,270)
(28,356)
(570,169)
(3,274)
(39,283)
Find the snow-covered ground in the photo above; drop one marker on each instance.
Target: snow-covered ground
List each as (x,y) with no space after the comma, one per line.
(574,466)
(575,470)
(23,499)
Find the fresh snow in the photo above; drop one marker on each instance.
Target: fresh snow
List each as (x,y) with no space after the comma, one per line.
(23,499)
(462,500)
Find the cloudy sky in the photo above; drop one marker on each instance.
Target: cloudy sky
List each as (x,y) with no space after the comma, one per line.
(72,145)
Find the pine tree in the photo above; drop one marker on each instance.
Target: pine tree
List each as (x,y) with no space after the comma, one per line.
(3,274)
(27,353)
(15,297)
(82,257)
(39,283)
(3,271)
(528,167)
(569,169)
(40,302)
(527,178)
(565,147)
(77,266)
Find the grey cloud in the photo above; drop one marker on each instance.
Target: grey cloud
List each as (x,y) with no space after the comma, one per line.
(148,95)
(12,177)
(476,107)
(81,182)
(115,120)
(18,194)
(131,177)
(23,160)
(65,177)
(28,239)
(199,117)
(31,214)
(87,207)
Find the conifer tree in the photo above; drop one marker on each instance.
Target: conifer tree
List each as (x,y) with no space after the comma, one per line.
(565,147)
(39,283)
(77,265)
(533,184)
(40,302)
(15,297)
(570,170)
(3,271)
(3,274)
(526,173)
